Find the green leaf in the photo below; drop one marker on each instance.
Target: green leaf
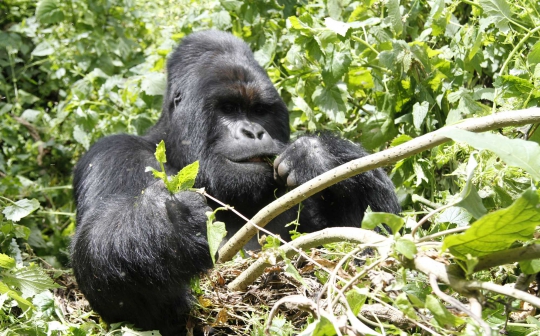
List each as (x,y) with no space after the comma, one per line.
(405,306)
(530,266)
(515,152)
(534,56)
(21,209)
(356,299)
(160,155)
(185,179)
(156,173)
(419,113)
(30,280)
(439,311)
(6,261)
(322,327)
(291,270)
(406,247)
(81,136)
(216,231)
(332,101)
(498,230)
(337,64)
(372,219)
(395,17)
(470,200)
(337,27)
(378,129)
(43,49)
(499,12)
(154,83)
(265,55)
(48,11)
(22,303)
(455,215)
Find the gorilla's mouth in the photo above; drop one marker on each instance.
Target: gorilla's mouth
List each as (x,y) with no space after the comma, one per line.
(258,159)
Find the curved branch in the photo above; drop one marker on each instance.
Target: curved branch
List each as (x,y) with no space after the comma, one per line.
(355,167)
(326,236)
(510,256)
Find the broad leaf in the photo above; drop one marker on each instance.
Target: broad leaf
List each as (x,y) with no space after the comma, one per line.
(498,230)
(31,280)
(48,11)
(419,113)
(332,101)
(6,261)
(515,152)
(443,316)
(395,16)
(499,11)
(21,209)
(470,200)
(185,179)
(154,83)
(372,219)
(22,303)
(406,247)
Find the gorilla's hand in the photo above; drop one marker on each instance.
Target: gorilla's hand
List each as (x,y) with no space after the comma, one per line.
(304,159)
(188,207)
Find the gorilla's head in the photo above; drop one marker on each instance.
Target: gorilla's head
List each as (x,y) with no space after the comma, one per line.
(221,108)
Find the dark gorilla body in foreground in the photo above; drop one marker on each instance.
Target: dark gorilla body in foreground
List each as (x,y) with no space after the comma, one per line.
(137,246)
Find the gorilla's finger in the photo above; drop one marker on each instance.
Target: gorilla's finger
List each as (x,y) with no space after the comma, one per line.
(291,180)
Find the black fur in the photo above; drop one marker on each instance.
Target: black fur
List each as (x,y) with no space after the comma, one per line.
(137,247)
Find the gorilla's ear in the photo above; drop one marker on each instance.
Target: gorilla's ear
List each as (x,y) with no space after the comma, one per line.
(174,101)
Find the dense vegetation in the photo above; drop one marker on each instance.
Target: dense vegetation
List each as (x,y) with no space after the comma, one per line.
(380,72)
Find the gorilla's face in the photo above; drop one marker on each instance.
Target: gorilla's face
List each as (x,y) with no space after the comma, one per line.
(250,127)
(225,112)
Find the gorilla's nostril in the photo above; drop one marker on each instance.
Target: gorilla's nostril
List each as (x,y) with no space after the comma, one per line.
(248,133)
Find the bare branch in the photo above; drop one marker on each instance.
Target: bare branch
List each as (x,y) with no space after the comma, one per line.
(326,236)
(510,256)
(380,159)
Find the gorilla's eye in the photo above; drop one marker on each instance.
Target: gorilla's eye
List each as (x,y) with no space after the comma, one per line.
(228,107)
(261,109)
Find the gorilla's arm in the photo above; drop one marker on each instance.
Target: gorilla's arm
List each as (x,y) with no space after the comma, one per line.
(133,235)
(344,203)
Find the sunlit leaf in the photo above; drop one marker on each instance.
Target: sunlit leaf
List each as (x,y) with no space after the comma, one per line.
(21,209)
(498,230)
(515,152)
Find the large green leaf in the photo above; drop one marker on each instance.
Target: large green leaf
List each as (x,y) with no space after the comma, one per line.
(48,11)
(515,152)
(22,303)
(498,230)
(395,16)
(21,209)
(30,280)
(499,11)
(332,101)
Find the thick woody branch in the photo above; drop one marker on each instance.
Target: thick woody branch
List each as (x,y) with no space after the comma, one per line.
(355,167)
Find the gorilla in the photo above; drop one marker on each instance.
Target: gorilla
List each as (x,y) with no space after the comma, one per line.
(137,247)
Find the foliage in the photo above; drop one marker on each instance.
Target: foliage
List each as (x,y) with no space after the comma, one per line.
(380,72)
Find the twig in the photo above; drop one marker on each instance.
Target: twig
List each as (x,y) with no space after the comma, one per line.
(228,207)
(326,236)
(428,216)
(457,304)
(508,291)
(380,159)
(427,266)
(442,233)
